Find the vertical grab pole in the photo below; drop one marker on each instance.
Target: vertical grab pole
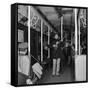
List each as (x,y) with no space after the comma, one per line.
(79,35)
(41,41)
(75,13)
(48,42)
(62,28)
(29,39)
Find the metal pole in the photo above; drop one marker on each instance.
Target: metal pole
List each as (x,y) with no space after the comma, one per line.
(29,39)
(75,12)
(41,41)
(62,28)
(48,42)
(79,35)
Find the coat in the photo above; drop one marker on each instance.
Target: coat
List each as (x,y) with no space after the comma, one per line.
(56,53)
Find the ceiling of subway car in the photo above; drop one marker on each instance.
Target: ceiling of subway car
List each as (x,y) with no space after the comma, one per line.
(52,14)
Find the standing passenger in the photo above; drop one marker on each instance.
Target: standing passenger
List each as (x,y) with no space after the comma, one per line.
(56,56)
(60,54)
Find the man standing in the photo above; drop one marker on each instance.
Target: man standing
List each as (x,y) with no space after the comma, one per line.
(55,46)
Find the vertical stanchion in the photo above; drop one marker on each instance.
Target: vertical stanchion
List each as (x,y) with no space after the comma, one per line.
(29,39)
(71,29)
(62,28)
(41,41)
(79,35)
(75,13)
(48,42)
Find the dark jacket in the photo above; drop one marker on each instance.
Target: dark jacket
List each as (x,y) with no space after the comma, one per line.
(60,53)
(56,53)
(52,49)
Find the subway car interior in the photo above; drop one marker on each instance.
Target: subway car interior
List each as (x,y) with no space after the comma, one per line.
(41,26)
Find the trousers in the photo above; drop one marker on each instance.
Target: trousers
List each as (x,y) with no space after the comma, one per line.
(56,66)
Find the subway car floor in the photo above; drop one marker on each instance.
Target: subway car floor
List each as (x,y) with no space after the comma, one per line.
(65,76)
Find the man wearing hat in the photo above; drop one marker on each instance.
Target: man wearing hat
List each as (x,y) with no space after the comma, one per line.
(23,59)
(24,64)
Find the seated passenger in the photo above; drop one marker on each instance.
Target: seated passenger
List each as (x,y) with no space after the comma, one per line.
(24,64)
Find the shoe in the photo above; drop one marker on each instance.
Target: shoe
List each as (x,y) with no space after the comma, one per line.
(53,75)
(57,74)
